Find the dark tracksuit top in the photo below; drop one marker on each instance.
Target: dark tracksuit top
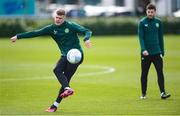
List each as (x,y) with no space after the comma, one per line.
(65,35)
(151,36)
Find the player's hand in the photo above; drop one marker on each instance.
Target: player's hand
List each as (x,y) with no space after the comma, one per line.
(145,53)
(14,38)
(88,43)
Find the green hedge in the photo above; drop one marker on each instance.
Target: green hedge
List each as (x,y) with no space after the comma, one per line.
(126,25)
(99,26)
(171,25)
(9,28)
(110,26)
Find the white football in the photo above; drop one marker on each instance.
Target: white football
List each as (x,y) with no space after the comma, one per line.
(74,56)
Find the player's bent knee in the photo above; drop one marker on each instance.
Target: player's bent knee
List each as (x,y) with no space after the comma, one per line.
(56,70)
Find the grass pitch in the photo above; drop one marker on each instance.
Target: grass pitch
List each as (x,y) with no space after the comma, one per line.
(107,83)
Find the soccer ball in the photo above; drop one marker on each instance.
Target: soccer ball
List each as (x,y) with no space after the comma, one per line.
(74,56)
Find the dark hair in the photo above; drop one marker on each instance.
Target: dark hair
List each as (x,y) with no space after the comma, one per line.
(60,12)
(151,6)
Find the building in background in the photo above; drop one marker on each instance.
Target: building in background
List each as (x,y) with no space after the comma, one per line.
(166,7)
(82,8)
(86,8)
(112,7)
(17,7)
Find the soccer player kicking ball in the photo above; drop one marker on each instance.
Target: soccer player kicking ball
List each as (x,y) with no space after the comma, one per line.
(65,34)
(152,49)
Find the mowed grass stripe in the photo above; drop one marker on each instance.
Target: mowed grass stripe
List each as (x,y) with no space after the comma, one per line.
(107,94)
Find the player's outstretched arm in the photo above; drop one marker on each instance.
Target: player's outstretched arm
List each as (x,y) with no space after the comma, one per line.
(14,38)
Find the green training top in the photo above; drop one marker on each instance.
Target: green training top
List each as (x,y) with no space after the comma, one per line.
(151,36)
(65,35)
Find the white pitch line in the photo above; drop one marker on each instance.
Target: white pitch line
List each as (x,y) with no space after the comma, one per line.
(105,70)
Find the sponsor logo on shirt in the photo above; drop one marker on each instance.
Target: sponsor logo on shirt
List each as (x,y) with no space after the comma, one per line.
(55,32)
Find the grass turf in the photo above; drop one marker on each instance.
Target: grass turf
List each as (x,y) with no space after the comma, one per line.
(28,85)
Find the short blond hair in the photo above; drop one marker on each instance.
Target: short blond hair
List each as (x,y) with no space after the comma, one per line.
(60,12)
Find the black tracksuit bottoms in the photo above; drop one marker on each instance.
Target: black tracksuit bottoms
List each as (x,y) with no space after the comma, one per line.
(145,65)
(64,72)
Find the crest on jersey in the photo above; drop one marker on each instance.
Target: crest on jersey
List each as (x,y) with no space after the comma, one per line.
(66,30)
(157,25)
